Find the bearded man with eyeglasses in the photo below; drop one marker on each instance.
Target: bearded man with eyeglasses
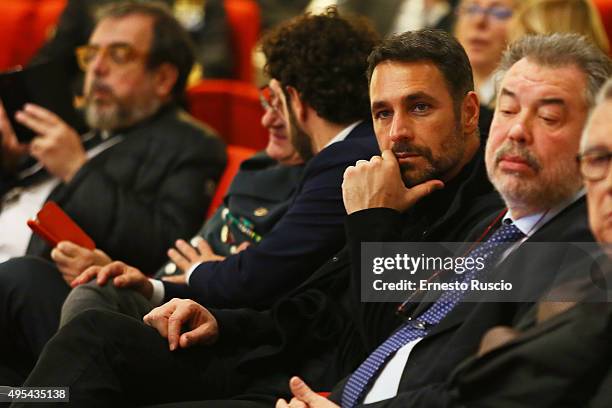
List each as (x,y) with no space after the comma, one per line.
(141,178)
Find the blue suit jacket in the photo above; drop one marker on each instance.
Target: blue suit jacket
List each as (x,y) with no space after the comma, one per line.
(310,233)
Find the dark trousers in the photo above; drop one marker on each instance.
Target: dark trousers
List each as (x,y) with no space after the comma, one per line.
(111,360)
(31,295)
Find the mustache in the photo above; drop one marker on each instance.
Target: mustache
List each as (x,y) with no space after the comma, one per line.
(99,86)
(405,147)
(512,149)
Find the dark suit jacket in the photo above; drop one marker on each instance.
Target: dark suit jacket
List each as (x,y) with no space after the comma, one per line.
(424,381)
(310,233)
(311,331)
(140,195)
(564,361)
(212,39)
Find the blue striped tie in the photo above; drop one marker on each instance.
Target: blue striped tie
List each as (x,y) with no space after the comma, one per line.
(412,330)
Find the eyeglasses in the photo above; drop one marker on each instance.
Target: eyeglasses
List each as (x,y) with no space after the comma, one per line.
(269,100)
(119,53)
(594,165)
(498,13)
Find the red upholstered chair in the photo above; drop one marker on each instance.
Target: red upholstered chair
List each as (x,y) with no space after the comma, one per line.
(605,10)
(235,156)
(14,16)
(243,17)
(232,108)
(24,27)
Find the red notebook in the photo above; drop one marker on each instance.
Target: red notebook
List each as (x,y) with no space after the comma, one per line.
(53,225)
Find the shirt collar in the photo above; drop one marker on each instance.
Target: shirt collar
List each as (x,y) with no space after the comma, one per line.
(343,133)
(531,223)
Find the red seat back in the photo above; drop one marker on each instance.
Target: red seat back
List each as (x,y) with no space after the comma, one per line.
(243,17)
(232,108)
(605,11)
(235,156)
(25,25)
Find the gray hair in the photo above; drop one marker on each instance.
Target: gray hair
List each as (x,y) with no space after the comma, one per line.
(604,95)
(558,50)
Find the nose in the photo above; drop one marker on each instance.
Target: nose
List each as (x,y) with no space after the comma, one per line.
(481,19)
(400,129)
(99,66)
(520,131)
(270,119)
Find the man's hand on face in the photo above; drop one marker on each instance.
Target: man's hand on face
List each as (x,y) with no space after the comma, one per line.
(304,397)
(168,319)
(72,259)
(12,150)
(123,276)
(57,146)
(186,255)
(377,183)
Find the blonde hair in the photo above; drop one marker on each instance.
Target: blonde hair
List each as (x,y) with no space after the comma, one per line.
(560,16)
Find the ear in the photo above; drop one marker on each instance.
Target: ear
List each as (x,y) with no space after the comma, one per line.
(166,76)
(299,107)
(470,112)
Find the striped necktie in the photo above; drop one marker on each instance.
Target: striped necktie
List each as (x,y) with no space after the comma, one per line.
(360,380)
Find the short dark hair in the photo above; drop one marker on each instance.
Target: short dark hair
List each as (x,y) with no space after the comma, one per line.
(171,43)
(436,46)
(324,57)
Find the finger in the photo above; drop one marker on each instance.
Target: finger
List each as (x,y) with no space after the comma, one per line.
(281,403)
(303,391)
(388,156)
(376,159)
(87,275)
(202,334)
(243,246)
(42,114)
(59,257)
(419,191)
(110,271)
(181,262)
(175,322)
(187,250)
(361,162)
(204,248)
(296,403)
(158,318)
(70,248)
(129,277)
(38,126)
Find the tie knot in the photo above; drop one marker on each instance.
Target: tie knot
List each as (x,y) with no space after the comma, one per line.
(506,233)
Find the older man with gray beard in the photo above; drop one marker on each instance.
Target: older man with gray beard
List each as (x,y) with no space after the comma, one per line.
(142,178)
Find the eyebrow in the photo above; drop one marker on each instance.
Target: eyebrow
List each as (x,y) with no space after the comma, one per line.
(541,102)
(406,99)
(506,92)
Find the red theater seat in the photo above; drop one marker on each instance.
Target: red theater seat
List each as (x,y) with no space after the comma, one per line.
(24,26)
(235,156)
(605,11)
(232,108)
(243,18)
